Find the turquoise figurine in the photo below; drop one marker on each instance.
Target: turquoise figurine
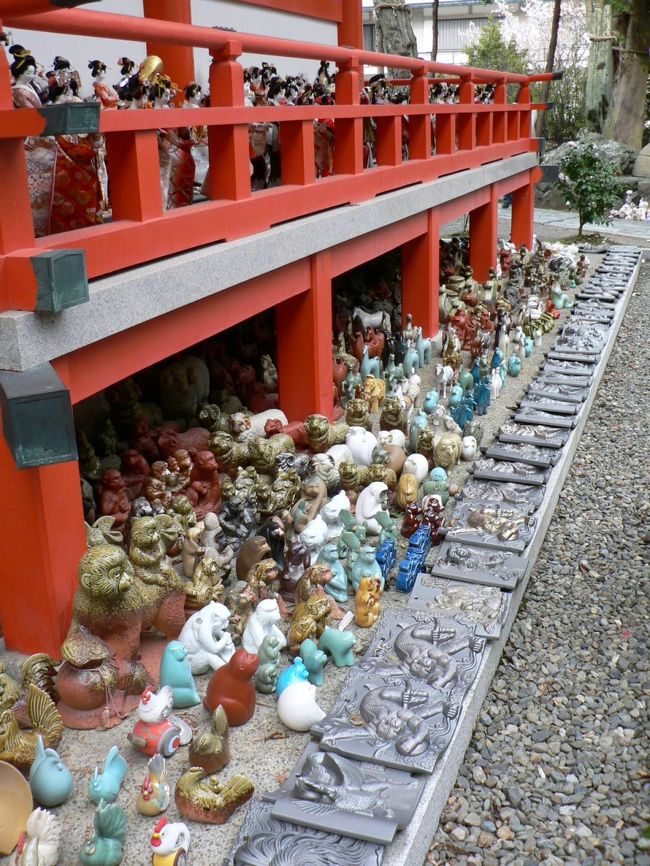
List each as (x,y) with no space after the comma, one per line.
(514,365)
(419,421)
(49,778)
(106,785)
(266,676)
(437,484)
(315,660)
(176,671)
(431,400)
(528,346)
(295,673)
(339,645)
(338,585)
(366,565)
(456,395)
(106,845)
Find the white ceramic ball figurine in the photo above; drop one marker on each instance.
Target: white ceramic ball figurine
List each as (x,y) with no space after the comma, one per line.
(297,707)
(470,447)
(361,443)
(392,437)
(263,622)
(416,464)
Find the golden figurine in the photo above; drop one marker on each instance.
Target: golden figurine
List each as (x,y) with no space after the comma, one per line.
(210,750)
(203,798)
(309,620)
(17,746)
(367,602)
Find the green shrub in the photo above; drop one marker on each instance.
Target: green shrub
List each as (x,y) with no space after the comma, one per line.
(588,183)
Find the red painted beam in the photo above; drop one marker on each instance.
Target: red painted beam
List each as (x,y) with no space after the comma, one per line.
(92,368)
(326,10)
(353,253)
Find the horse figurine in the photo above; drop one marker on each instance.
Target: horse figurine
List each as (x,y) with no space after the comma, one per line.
(370,366)
(380,319)
(424,348)
(444,378)
(411,361)
(495,384)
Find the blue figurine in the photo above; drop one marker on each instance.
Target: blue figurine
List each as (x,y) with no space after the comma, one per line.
(176,671)
(419,421)
(528,346)
(431,400)
(49,778)
(476,371)
(314,660)
(106,786)
(437,484)
(482,396)
(366,565)
(295,673)
(338,585)
(386,557)
(497,359)
(514,365)
(456,395)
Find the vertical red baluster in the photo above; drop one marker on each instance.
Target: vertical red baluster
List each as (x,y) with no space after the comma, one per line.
(348,132)
(500,121)
(420,124)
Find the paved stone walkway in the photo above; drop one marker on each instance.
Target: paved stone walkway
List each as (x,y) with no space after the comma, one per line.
(556,772)
(634,232)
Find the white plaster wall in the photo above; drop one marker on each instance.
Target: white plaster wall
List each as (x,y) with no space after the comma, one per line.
(248,19)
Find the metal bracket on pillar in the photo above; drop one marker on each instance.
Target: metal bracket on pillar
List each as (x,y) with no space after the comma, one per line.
(37,417)
(61,278)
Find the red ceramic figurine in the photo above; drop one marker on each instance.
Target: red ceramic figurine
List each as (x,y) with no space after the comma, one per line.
(232,687)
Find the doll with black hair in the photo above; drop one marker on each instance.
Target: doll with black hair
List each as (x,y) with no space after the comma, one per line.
(106,95)
(199,134)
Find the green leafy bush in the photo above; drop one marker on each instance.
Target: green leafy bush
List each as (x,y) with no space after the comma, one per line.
(588,183)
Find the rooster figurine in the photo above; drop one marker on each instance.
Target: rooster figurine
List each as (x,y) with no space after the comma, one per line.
(169,844)
(18,747)
(38,845)
(105,846)
(158,729)
(155,793)
(200,797)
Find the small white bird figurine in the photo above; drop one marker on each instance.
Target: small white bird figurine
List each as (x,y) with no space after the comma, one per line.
(39,844)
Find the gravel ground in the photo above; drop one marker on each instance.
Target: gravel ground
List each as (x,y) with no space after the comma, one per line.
(556,772)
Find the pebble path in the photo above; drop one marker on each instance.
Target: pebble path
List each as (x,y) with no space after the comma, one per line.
(557,769)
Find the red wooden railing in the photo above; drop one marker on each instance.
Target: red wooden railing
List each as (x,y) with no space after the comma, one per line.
(465,135)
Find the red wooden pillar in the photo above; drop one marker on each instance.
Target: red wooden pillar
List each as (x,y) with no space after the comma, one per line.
(229,175)
(178,60)
(483,236)
(350,28)
(421,277)
(44,535)
(420,124)
(348,131)
(523,213)
(304,335)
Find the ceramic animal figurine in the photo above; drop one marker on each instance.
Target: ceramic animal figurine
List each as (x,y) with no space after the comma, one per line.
(337,587)
(232,687)
(49,778)
(263,622)
(313,496)
(201,797)
(253,550)
(266,676)
(322,435)
(514,365)
(374,391)
(211,749)
(408,490)
(423,347)
(331,514)
(444,378)
(367,604)
(412,519)
(155,794)
(296,672)
(106,785)
(313,537)
(393,415)
(38,844)
(431,400)
(157,728)
(105,847)
(456,395)
(470,448)
(419,421)
(205,637)
(437,484)
(339,645)
(366,565)
(169,844)
(391,437)
(416,464)
(495,384)
(309,619)
(297,707)
(448,450)
(372,500)
(314,660)
(176,671)
(361,443)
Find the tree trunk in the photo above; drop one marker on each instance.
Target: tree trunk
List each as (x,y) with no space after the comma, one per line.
(550,60)
(395,32)
(627,111)
(434,30)
(600,64)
